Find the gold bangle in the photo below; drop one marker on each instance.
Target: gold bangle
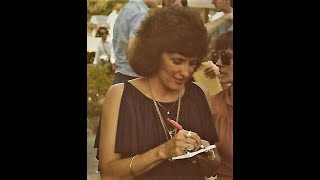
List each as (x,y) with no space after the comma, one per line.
(130,166)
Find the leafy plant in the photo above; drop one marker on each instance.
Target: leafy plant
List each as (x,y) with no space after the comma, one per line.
(103,7)
(99,80)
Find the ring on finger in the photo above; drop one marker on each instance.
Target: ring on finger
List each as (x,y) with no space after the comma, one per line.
(188,134)
(184,148)
(190,148)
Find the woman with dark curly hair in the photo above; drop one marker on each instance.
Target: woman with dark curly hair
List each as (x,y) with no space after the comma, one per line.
(136,141)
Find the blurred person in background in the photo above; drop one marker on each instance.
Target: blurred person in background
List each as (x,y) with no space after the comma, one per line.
(110,23)
(222,104)
(126,24)
(102,55)
(214,28)
(225,22)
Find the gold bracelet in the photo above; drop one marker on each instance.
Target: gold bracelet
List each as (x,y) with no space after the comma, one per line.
(130,165)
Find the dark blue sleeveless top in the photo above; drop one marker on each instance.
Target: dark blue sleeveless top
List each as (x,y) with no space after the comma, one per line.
(139,129)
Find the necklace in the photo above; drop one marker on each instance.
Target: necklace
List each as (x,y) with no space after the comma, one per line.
(165,128)
(168,110)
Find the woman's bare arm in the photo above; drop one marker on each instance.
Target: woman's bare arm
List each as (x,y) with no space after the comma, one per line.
(111,165)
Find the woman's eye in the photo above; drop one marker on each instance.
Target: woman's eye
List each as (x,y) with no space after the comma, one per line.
(177,61)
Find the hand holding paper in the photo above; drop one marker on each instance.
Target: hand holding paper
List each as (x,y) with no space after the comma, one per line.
(191,154)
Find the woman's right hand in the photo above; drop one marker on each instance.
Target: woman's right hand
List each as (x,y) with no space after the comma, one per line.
(180,143)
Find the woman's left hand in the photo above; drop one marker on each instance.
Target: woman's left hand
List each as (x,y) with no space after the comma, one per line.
(209,162)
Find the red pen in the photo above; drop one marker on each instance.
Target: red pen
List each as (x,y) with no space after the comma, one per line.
(179,127)
(175,124)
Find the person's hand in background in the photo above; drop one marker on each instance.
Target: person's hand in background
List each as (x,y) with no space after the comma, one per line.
(228,16)
(211,70)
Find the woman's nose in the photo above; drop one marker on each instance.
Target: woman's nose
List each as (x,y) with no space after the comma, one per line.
(219,63)
(185,71)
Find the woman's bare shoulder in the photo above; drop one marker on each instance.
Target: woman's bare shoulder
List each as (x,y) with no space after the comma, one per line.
(115,90)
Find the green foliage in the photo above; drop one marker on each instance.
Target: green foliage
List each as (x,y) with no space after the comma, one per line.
(103,7)
(99,81)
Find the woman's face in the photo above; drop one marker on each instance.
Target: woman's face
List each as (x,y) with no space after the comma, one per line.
(176,69)
(225,64)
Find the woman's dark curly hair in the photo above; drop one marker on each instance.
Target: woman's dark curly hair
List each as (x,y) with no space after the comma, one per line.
(168,29)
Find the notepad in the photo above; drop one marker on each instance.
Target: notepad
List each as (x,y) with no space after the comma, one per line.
(191,154)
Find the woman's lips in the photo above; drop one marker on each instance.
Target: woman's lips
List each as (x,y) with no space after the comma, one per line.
(179,81)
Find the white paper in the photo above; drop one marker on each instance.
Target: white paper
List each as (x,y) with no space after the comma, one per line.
(191,154)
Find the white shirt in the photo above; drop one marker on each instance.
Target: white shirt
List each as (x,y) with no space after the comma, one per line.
(102,52)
